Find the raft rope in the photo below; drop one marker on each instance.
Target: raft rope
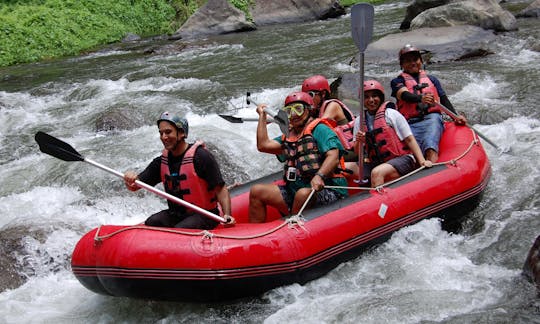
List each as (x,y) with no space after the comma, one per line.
(381,187)
(293,221)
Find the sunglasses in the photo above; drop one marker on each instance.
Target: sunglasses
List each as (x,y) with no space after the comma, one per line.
(297,108)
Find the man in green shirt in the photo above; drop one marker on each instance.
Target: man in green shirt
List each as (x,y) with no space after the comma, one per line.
(312,154)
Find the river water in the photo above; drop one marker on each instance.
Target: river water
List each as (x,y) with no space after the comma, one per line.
(422,274)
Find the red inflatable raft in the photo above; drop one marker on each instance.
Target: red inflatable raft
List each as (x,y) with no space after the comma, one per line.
(249,259)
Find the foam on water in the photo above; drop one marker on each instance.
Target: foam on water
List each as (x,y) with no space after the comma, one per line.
(20,209)
(422,268)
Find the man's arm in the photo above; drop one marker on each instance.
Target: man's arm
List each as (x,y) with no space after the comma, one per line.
(264,143)
(224,200)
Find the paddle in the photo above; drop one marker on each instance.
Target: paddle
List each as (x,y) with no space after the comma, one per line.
(63,151)
(362,31)
(280,118)
(454,117)
(239,120)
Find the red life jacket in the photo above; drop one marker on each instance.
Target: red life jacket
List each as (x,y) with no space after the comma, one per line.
(187,185)
(382,141)
(302,153)
(344,132)
(413,109)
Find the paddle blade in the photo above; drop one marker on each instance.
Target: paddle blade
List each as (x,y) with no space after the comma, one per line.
(53,146)
(231,119)
(362,24)
(283,121)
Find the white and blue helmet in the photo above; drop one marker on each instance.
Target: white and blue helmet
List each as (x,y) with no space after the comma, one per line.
(180,122)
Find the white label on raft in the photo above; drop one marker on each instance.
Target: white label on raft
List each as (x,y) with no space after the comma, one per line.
(382,210)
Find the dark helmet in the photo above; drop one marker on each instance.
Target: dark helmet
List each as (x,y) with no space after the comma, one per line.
(299,97)
(316,83)
(374,85)
(409,49)
(180,122)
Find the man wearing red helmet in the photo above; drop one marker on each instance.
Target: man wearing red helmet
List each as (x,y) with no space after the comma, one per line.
(187,171)
(336,112)
(391,148)
(417,94)
(311,152)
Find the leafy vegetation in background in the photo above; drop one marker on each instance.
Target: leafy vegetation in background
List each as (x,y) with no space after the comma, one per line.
(184,9)
(36,29)
(348,3)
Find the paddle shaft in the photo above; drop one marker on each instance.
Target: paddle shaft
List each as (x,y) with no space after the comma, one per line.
(454,117)
(362,118)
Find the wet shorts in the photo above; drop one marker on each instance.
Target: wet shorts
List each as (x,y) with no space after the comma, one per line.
(428,132)
(403,164)
(324,197)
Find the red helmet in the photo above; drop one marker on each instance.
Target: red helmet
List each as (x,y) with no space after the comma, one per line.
(316,83)
(299,97)
(409,49)
(374,85)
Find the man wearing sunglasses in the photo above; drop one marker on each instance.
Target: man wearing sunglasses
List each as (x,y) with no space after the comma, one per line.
(336,112)
(311,152)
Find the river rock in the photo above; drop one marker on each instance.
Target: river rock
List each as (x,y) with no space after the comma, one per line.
(531,268)
(287,11)
(117,118)
(532,11)
(487,14)
(215,17)
(442,44)
(11,275)
(229,167)
(418,6)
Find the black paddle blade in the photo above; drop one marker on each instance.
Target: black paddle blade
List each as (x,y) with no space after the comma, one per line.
(53,146)
(232,119)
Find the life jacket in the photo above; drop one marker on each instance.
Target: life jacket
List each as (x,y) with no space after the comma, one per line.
(382,141)
(186,184)
(414,109)
(344,132)
(302,153)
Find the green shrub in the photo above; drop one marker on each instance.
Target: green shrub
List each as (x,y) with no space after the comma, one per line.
(37,29)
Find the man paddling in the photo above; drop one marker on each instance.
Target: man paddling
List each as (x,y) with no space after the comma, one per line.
(189,172)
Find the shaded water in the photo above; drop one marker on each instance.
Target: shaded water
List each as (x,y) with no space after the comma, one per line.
(422,274)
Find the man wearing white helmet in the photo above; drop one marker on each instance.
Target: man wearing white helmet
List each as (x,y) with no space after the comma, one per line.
(187,171)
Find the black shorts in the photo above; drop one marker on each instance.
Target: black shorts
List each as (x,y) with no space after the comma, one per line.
(403,164)
(166,218)
(323,197)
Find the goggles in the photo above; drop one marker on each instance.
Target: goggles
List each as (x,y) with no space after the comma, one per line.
(297,108)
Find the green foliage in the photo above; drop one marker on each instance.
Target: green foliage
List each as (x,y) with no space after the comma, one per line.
(244,6)
(184,9)
(35,29)
(348,3)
